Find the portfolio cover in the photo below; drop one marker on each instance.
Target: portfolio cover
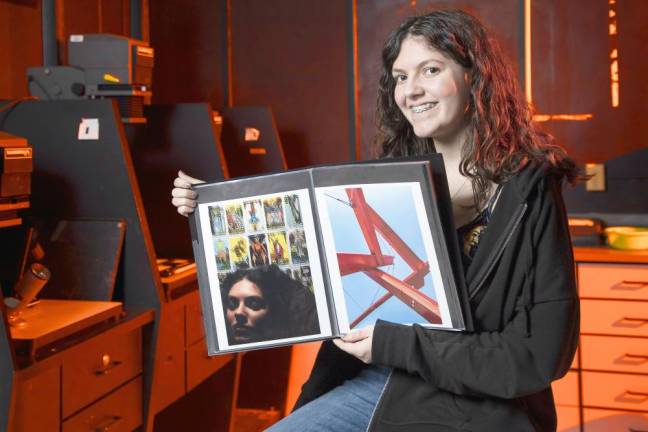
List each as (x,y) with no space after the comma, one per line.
(314,253)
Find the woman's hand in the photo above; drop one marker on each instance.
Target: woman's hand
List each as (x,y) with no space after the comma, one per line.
(184,198)
(357,343)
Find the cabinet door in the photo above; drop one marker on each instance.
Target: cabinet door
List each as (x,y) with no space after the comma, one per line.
(200,366)
(36,403)
(195,326)
(169,384)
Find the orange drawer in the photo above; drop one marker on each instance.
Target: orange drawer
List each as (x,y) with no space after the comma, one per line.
(120,411)
(200,365)
(614,317)
(613,281)
(595,420)
(619,354)
(102,364)
(565,390)
(616,391)
(568,419)
(194,319)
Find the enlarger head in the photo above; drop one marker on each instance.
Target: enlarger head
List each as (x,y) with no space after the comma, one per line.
(100,65)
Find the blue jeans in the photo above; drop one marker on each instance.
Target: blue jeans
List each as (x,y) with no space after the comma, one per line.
(346,408)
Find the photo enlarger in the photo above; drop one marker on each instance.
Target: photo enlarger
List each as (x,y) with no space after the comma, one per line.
(83,185)
(174,137)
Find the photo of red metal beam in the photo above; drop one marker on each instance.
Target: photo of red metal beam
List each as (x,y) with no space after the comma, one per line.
(407,289)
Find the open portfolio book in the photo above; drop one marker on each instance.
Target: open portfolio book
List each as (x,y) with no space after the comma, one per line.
(314,253)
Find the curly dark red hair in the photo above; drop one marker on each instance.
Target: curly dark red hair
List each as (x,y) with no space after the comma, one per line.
(501,138)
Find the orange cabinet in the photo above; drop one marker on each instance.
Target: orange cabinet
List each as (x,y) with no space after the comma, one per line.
(94,384)
(613,351)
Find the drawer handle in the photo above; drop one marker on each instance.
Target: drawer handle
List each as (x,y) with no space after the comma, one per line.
(632,321)
(631,429)
(630,285)
(106,369)
(635,396)
(636,359)
(107,424)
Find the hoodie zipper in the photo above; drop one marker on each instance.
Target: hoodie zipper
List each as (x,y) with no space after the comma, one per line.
(378,401)
(495,257)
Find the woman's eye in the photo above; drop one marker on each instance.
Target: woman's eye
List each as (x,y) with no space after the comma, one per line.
(255,303)
(429,71)
(232,303)
(400,78)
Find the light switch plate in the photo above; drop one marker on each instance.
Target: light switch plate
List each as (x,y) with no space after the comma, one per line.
(597,181)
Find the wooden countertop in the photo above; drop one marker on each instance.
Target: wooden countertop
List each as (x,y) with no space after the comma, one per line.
(56,353)
(606,254)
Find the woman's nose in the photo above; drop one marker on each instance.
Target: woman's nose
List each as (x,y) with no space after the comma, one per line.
(413,87)
(240,310)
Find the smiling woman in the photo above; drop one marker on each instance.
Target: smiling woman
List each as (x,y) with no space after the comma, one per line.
(445,87)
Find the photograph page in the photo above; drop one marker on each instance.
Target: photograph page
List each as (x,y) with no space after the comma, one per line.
(382,260)
(265,285)
(385,248)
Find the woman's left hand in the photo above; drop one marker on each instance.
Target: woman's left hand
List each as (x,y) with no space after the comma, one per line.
(357,343)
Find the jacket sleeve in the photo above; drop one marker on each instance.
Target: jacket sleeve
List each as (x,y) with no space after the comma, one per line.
(510,362)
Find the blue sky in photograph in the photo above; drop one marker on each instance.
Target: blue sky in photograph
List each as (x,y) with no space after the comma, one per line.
(395,205)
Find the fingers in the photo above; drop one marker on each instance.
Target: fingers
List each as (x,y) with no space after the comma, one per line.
(181,183)
(340,344)
(360,349)
(190,180)
(355,336)
(183,197)
(179,192)
(185,210)
(183,202)
(184,206)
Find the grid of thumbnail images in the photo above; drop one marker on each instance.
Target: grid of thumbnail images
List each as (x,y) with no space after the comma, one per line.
(260,232)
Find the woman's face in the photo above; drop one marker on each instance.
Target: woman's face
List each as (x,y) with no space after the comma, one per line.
(246,311)
(432,90)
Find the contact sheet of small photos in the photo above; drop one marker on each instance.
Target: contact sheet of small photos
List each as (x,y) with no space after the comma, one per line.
(262,231)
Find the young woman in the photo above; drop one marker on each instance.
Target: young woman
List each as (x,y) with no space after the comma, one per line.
(264,303)
(446,87)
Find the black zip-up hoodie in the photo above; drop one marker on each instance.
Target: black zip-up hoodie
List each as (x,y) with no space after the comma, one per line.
(524,302)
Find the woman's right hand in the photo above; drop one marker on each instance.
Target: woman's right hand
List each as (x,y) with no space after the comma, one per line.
(184,198)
